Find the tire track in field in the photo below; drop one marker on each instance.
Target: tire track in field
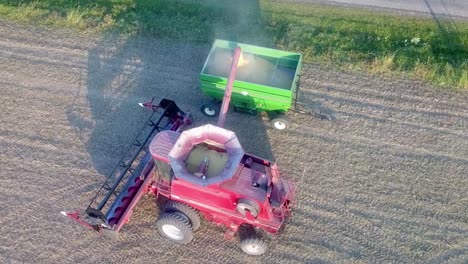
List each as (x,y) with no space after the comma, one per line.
(386,88)
(385,181)
(44,187)
(64,192)
(366,142)
(338,140)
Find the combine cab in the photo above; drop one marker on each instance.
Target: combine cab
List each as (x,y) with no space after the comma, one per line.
(202,171)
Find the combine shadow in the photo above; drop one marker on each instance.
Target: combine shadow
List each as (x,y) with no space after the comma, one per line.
(123,71)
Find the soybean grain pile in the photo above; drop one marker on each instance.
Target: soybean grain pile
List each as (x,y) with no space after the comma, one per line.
(385,181)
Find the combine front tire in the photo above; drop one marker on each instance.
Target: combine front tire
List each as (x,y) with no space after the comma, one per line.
(184,211)
(253,246)
(175,228)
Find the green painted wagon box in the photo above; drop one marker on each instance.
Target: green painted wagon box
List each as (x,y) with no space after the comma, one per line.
(266,80)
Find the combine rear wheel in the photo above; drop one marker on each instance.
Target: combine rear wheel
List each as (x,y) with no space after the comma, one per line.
(184,211)
(253,246)
(175,227)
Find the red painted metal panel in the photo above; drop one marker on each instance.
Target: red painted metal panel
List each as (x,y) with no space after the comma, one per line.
(218,204)
(242,185)
(162,144)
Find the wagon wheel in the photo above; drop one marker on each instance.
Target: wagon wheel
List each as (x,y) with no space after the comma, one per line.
(188,213)
(210,110)
(175,228)
(280,123)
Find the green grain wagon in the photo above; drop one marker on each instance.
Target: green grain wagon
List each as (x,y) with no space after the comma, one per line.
(267,80)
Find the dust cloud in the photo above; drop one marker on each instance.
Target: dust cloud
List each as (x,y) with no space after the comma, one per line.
(252,68)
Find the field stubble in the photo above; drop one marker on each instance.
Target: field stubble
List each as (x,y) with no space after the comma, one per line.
(385,181)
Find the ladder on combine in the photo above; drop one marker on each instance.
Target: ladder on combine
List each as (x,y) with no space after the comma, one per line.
(113,203)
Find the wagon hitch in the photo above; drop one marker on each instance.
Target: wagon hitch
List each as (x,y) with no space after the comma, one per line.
(312,112)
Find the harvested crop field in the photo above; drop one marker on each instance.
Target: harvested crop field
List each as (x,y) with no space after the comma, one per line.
(386,180)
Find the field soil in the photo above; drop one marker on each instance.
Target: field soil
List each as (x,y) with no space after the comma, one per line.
(385,180)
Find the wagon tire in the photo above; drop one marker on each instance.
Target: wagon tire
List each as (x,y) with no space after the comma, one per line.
(280,123)
(253,246)
(175,228)
(185,211)
(210,110)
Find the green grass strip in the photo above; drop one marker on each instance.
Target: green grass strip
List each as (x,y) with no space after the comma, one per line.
(191,20)
(434,50)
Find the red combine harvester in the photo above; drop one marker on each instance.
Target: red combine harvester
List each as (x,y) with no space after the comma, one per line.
(201,171)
